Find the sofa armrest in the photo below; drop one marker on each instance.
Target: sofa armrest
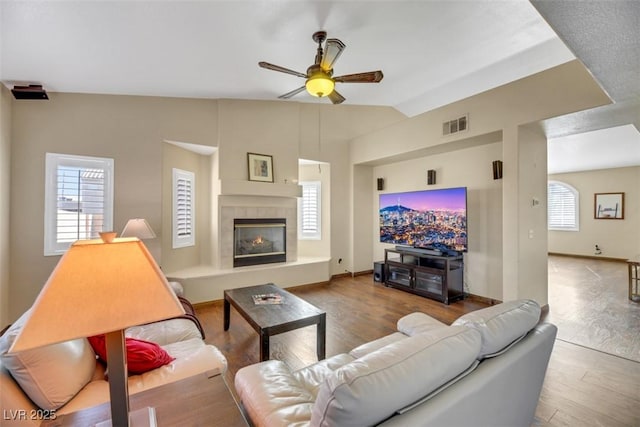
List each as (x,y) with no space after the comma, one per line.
(14,403)
(192,357)
(165,332)
(272,396)
(168,331)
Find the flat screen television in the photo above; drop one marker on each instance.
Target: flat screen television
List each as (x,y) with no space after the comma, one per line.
(431,219)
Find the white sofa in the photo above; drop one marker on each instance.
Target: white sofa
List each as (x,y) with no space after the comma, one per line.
(67,377)
(486,369)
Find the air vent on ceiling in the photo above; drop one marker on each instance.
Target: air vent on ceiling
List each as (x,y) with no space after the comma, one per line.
(456,125)
(29,92)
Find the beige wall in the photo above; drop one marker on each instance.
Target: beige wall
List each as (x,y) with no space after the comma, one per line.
(469,168)
(126,128)
(131,130)
(258,127)
(560,90)
(323,138)
(362,199)
(616,238)
(322,247)
(5,190)
(502,111)
(290,131)
(200,166)
(531,218)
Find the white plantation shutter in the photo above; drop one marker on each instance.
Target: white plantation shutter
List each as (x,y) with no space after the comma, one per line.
(183,208)
(78,200)
(309,213)
(563,203)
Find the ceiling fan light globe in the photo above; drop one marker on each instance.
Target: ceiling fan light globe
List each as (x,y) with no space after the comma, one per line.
(319,85)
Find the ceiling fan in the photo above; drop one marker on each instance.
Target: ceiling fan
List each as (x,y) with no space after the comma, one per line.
(319,80)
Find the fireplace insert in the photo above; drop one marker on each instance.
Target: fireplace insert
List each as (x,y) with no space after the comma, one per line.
(259,241)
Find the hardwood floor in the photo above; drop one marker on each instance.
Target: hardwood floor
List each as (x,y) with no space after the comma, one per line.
(582,386)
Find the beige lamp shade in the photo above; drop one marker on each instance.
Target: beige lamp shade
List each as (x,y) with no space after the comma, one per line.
(138,227)
(96,288)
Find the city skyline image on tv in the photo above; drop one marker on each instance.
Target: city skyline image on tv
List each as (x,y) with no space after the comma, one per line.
(426,219)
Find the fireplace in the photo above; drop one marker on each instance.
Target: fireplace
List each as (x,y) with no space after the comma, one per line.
(259,241)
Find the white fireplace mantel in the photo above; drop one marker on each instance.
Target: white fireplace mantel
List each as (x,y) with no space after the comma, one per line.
(230,187)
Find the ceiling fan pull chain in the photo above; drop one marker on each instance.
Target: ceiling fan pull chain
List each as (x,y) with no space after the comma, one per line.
(319,132)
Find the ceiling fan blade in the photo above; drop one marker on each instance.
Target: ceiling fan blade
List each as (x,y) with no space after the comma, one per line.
(335,97)
(332,51)
(281,69)
(369,77)
(292,93)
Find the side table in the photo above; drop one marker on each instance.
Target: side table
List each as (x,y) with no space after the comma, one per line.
(200,400)
(634,280)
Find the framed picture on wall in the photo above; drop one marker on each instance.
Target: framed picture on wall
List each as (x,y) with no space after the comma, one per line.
(260,167)
(609,206)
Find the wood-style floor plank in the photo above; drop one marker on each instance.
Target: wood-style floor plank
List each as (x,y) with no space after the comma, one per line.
(582,387)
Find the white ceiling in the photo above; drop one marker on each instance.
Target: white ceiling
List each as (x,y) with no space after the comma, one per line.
(599,149)
(432,52)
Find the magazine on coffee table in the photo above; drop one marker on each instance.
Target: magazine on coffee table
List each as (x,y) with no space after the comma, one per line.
(263,299)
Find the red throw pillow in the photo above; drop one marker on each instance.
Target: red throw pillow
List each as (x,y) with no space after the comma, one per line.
(142,356)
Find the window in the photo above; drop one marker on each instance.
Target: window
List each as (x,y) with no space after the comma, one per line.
(309,214)
(183,209)
(563,203)
(78,200)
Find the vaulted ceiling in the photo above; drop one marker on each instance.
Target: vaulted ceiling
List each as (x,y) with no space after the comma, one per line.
(432,53)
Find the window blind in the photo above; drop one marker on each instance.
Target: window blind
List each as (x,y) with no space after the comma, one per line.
(309,213)
(183,208)
(78,199)
(562,207)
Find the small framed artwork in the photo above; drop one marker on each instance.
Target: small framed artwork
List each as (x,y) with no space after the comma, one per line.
(260,167)
(609,206)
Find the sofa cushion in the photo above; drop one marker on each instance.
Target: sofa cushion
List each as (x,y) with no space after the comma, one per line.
(371,346)
(415,323)
(502,324)
(311,377)
(49,375)
(372,388)
(142,356)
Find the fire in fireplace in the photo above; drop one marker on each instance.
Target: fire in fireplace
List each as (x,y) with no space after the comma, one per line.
(259,241)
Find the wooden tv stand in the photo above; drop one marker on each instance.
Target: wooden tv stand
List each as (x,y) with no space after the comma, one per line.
(438,277)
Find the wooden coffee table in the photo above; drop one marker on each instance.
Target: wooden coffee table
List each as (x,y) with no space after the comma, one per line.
(273,319)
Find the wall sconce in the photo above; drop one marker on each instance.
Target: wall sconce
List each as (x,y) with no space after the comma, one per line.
(497,169)
(380,184)
(431,177)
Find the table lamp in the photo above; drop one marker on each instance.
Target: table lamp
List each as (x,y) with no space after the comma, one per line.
(102,286)
(138,227)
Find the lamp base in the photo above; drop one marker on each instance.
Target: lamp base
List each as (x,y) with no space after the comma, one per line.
(144,417)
